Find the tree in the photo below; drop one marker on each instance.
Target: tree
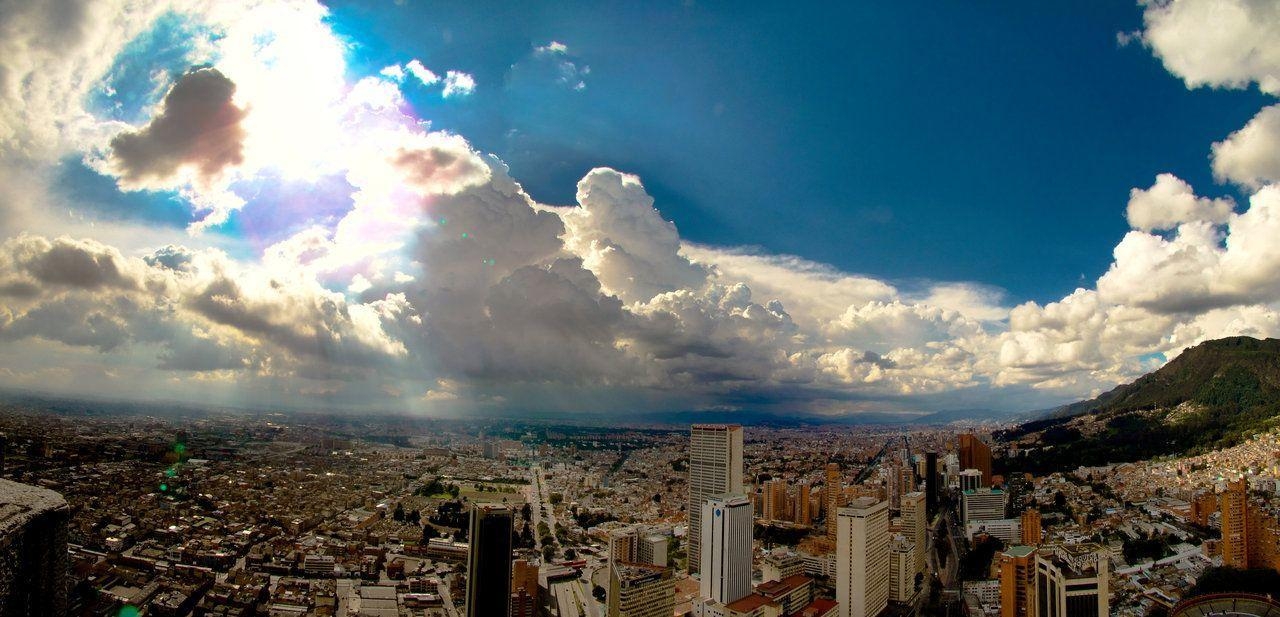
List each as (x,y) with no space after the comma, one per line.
(548,552)
(570,554)
(556,498)
(527,512)
(398,514)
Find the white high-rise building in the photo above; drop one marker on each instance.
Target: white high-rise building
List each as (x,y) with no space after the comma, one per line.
(982,504)
(914,526)
(715,469)
(726,549)
(902,570)
(653,549)
(862,558)
(1072,580)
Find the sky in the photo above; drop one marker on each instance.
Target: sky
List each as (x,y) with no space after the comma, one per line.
(620,208)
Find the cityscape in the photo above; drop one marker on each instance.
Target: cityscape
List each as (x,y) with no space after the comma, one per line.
(677,308)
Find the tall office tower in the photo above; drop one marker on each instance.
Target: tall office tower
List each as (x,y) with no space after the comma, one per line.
(726,549)
(525,593)
(902,570)
(914,526)
(653,549)
(641,590)
(970,479)
(624,545)
(906,479)
(895,491)
(804,515)
(862,558)
(775,500)
(489,561)
(1031,527)
(931,483)
(975,455)
(715,469)
(1235,506)
(831,494)
(1262,530)
(983,504)
(33,551)
(1072,581)
(1017,581)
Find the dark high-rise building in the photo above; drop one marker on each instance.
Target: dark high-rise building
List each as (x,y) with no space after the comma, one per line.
(33,551)
(931,483)
(489,561)
(976,455)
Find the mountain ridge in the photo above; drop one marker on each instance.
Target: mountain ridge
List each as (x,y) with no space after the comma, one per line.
(1210,396)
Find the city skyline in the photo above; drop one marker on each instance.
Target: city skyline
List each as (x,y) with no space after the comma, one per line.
(296,205)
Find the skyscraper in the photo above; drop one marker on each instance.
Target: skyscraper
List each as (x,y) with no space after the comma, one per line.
(1017,581)
(1031,527)
(525,593)
(640,590)
(624,545)
(902,569)
(931,483)
(1235,503)
(715,469)
(1072,580)
(804,515)
(831,493)
(726,549)
(975,455)
(862,558)
(653,549)
(984,504)
(33,551)
(774,497)
(489,560)
(914,526)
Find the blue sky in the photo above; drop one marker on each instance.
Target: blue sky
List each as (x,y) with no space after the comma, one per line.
(908,140)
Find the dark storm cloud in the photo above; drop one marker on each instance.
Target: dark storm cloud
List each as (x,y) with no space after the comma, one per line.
(197,127)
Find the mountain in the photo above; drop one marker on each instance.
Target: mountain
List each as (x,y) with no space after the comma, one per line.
(1211,396)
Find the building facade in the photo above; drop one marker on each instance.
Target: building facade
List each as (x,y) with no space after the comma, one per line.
(727,525)
(715,469)
(640,590)
(489,560)
(862,558)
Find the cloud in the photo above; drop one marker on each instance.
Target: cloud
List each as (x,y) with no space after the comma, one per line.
(624,241)
(1251,155)
(1216,43)
(51,55)
(196,131)
(550,65)
(1170,202)
(1201,267)
(432,280)
(457,83)
(421,73)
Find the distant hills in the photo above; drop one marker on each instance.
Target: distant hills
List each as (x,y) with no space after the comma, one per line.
(1211,396)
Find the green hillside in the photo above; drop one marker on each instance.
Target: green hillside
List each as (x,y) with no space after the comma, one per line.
(1211,396)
